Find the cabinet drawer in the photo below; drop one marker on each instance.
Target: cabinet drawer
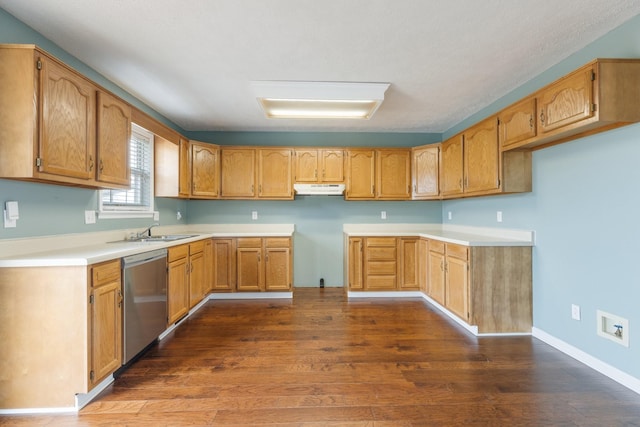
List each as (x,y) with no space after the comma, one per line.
(382,253)
(196,247)
(178,252)
(381,282)
(277,242)
(436,246)
(381,267)
(108,272)
(249,242)
(457,251)
(381,241)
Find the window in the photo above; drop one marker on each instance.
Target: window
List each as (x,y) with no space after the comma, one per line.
(136,201)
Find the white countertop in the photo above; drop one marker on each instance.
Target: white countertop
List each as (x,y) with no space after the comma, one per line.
(462,235)
(90,248)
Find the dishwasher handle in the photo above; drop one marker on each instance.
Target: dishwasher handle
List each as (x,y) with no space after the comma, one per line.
(143,257)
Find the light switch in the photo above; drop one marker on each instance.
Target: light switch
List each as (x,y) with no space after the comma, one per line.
(89,217)
(254,215)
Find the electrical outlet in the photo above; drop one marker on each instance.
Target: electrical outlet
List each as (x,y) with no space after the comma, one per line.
(254,215)
(383,214)
(178,216)
(499,216)
(89,217)
(449,215)
(575,312)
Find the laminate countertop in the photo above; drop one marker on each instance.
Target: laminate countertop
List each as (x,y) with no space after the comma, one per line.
(461,235)
(90,248)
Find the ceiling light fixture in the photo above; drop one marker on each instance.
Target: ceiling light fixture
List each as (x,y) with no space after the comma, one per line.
(319,100)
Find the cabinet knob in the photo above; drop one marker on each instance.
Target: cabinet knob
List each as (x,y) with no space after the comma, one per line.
(542,116)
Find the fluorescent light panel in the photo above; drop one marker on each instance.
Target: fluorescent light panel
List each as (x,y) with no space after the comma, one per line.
(319,100)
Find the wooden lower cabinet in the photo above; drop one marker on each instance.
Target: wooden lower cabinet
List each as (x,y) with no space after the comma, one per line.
(198,273)
(106,320)
(485,286)
(178,283)
(224,265)
(264,264)
(64,329)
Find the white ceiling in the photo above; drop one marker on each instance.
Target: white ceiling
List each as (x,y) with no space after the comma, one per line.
(193,60)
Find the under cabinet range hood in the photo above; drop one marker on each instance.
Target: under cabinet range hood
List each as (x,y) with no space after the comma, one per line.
(319,189)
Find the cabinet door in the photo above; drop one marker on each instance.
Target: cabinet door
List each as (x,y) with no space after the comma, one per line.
(67,123)
(275,173)
(393,172)
(204,170)
(277,269)
(332,166)
(106,320)
(237,172)
(457,285)
(178,290)
(306,162)
(567,101)
(452,171)
(208,267)
(517,123)
(408,263)
(114,132)
(360,174)
(481,155)
(426,170)
(250,270)
(356,281)
(436,285)
(197,278)
(224,270)
(184,182)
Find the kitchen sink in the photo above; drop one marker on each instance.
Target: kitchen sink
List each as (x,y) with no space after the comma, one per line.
(159,238)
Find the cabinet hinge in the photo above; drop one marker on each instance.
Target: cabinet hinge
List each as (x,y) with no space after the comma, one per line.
(90,299)
(38,162)
(39,64)
(92,375)
(593,76)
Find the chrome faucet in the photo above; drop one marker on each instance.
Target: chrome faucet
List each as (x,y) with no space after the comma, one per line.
(147,230)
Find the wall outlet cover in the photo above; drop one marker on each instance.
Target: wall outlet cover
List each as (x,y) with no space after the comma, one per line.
(89,217)
(575,312)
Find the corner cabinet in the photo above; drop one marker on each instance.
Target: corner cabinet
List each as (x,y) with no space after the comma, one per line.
(51,117)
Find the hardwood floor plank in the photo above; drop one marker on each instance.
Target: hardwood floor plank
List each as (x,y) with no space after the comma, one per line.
(322,360)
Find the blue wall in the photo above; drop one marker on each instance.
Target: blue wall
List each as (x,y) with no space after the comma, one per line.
(585,210)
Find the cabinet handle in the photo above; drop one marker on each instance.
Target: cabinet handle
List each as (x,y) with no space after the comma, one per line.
(258,257)
(90,163)
(101,165)
(266,258)
(442,265)
(415,188)
(542,117)
(531,121)
(119,298)
(446,267)
(252,188)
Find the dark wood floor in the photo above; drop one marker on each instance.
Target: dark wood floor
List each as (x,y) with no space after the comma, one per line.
(322,360)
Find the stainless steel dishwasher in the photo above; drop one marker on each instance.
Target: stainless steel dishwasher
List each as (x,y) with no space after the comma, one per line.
(145,300)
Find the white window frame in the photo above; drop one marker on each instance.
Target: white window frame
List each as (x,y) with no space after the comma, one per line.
(115,212)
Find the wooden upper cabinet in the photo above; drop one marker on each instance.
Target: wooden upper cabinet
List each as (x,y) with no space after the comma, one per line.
(481,160)
(425,170)
(517,123)
(451,171)
(275,173)
(393,174)
(237,166)
(306,165)
(567,101)
(205,170)
(166,164)
(67,122)
(332,165)
(361,166)
(184,169)
(319,165)
(114,133)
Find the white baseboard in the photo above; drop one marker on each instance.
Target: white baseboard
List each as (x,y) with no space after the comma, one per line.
(384,294)
(605,369)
